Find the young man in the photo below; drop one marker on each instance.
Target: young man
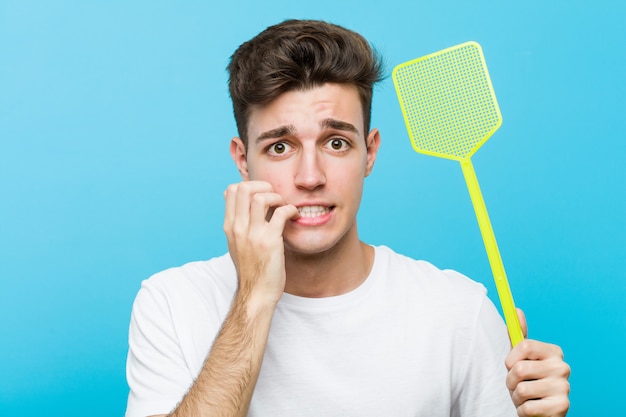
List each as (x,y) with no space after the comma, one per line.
(301,318)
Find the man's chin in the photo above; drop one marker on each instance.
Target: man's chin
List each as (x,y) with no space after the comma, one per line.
(312,247)
(300,250)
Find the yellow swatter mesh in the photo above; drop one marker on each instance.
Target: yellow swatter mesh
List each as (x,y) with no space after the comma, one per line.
(447,101)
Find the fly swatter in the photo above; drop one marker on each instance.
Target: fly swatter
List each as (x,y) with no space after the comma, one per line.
(450,110)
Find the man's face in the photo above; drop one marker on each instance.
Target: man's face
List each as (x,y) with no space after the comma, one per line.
(311,147)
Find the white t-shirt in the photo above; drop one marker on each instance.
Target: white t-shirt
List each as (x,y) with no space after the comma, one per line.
(412,340)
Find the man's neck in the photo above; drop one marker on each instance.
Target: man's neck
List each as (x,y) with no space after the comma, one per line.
(334,272)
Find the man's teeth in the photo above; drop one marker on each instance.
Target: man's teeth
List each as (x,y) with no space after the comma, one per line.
(312,211)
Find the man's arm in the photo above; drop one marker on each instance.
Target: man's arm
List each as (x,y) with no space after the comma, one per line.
(538,377)
(226,381)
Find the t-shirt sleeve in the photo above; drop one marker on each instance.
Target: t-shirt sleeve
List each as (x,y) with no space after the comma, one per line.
(156,371)
(484,391)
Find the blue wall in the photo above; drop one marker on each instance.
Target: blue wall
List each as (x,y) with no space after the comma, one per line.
(114,132)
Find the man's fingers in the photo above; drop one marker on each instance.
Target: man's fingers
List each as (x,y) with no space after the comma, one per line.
(538,379)
(556,406)
(283,214)
(238,201)
(532,370)
(542,388)
(251,206)
(245,193)
(262,205)
(522,321)
(529,349)
(229,213)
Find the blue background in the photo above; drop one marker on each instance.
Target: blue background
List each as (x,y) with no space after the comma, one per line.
(114,130)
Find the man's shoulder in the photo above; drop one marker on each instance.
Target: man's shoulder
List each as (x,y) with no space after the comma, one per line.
(216,275)
(425,274)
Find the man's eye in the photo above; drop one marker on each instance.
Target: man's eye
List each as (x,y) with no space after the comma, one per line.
(278,148)
(338,144)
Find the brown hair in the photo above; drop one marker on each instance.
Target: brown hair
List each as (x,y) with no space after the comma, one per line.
(299,55)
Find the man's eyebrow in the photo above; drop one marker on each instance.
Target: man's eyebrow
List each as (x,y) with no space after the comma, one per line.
(338,125)
(288,130)
(278,132)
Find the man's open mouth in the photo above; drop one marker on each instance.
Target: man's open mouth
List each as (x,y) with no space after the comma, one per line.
(313,211)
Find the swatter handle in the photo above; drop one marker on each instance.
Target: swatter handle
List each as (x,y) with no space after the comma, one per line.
(495,260)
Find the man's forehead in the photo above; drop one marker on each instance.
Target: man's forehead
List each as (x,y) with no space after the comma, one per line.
(330,106)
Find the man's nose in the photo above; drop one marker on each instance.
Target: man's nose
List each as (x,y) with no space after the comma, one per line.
(310,173)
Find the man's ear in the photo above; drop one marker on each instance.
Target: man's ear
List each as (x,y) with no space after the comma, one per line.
(372,142)
(238,153)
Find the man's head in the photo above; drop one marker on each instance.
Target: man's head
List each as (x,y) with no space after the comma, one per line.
(300,55)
